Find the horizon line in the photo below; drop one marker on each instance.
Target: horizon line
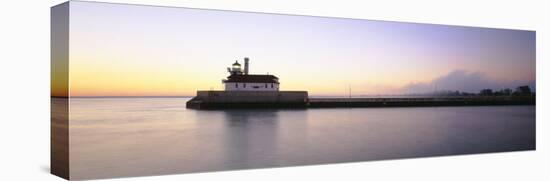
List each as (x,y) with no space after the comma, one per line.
(183,96)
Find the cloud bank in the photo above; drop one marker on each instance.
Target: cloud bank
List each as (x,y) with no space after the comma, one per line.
(464,81)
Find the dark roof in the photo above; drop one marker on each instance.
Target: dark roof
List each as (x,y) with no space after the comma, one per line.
(237,63)
(253,78)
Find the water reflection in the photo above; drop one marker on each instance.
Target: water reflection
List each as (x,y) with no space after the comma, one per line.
(251,138)
(151,136)
(59,149)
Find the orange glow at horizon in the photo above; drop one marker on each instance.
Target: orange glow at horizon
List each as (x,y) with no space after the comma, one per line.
(156,51)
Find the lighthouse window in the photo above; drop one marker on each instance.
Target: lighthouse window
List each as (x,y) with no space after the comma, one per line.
(265,85)
(244,85)
(271,85)
(236,85)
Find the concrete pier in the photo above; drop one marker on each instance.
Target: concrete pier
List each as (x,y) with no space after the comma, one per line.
(248,99)
(421,102)
(300,99)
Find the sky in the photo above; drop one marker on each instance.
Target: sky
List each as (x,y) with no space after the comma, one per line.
(129,50)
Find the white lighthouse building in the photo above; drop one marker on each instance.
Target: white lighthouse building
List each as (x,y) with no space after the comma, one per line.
(240,80)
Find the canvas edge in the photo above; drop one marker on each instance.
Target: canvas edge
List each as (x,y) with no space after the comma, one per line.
(59,97)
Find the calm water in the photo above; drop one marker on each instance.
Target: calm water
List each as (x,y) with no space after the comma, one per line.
(116,137)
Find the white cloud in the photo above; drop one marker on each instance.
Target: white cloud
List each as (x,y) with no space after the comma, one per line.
(464,81)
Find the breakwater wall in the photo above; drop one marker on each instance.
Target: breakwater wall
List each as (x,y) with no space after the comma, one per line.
(421,102)
(248,99)
(300,99)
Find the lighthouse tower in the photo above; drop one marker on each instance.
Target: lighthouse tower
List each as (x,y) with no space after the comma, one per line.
(243,81)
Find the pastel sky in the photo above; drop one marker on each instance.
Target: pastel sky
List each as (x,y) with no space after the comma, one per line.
(129,50)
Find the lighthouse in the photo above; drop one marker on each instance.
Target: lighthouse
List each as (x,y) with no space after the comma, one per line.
(243,89)
(241,80)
